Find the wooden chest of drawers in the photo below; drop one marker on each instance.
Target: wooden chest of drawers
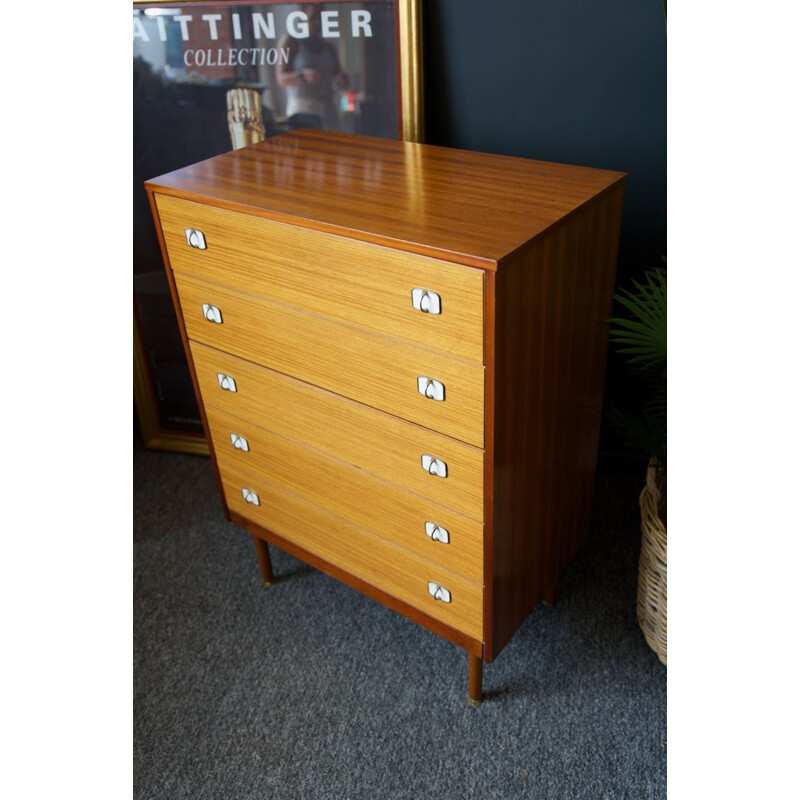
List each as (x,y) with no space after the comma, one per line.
(399,354)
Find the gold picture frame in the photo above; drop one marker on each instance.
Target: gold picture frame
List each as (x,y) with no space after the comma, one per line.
(157,429)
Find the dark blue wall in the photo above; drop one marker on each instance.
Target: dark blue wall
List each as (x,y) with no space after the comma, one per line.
(576,81)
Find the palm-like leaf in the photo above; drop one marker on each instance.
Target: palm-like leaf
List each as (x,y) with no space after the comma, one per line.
(643,336)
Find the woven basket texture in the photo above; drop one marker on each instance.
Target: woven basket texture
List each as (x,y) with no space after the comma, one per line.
(651,601)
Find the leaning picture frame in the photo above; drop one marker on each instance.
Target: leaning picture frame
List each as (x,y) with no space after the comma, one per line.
(212,76)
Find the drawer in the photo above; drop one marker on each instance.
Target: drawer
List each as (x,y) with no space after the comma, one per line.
(387,510)
(348,280)
(368,439)
(381,372)
(380,563)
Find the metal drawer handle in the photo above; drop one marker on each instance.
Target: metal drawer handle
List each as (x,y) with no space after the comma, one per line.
(195,238)
(435,466)
(240,443)
(431,388)
(437,532)
(438,592)
(426,301)
(226,382)
(212,313)
(250,496)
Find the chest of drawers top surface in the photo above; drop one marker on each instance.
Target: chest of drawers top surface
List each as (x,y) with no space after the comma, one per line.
(469,208)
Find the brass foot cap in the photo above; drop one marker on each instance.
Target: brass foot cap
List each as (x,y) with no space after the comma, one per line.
(474,703)
(267,584)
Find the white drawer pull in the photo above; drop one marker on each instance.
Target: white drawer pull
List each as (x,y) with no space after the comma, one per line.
(435,466)
(226,382)
(426,301)
(240,443)
(431,388)
(250,496)
(437,532)
(195,238)
(212,313)
(438,592)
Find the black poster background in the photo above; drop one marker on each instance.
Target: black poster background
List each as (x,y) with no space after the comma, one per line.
(182,73)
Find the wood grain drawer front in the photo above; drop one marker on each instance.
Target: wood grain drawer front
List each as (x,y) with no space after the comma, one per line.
(368,439)
(381,372)
(352,281)
(386,566)
(383,508)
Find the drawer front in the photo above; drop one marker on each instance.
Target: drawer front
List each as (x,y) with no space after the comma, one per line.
(381,372)
(345,279)
(393,569)
(387,510)
(368,439)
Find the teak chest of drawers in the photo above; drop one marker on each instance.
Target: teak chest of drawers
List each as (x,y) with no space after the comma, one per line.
(399,354)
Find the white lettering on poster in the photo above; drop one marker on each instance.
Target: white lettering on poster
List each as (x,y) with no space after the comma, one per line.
(231,57)
(183,20)
(297,25)
(360,23)
(263,25)
(162,29)
(138,30)
(267,27)
(330,24)
(212,20)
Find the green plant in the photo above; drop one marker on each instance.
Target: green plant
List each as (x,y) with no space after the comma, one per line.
(641,336)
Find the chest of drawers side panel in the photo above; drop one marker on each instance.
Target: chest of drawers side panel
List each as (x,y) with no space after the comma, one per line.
(551,340)
(173,290)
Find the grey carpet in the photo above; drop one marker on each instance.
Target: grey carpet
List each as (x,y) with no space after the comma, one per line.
(310,690)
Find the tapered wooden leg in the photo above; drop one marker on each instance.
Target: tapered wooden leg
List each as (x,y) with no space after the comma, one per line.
(550,595)
(262,548)
(475,679)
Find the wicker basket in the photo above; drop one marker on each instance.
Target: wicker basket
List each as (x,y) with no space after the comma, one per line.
(651,602)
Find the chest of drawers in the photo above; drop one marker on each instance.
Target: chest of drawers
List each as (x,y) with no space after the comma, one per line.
(399,355)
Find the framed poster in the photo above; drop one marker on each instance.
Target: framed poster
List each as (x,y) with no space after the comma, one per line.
(209,77)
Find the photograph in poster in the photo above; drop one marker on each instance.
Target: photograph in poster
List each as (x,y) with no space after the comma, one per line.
(211,77)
